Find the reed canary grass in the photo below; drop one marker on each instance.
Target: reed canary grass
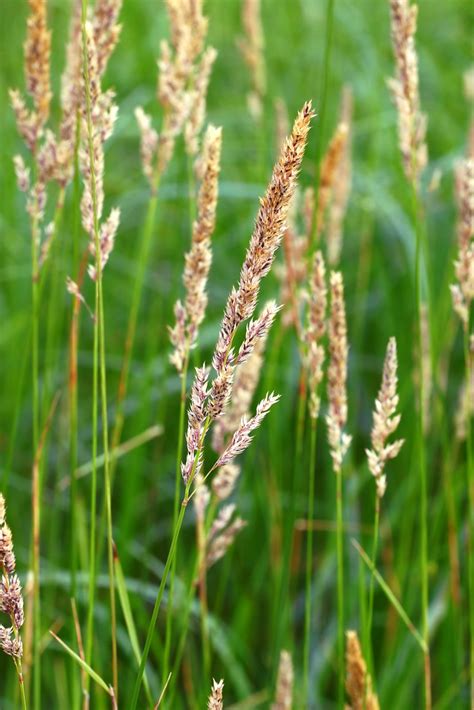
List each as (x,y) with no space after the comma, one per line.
(358,680)
(315,331)
(412,142)
(208,401)
(339,441)
(385,423)
(11,602)
(99,115)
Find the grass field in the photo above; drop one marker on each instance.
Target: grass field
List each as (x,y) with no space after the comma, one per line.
(399,245)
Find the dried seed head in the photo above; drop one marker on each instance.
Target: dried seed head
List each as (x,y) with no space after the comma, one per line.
(358,681)
(148,144)
(404,88)
(22,173)
(198,260)
(463,291)
(241,438)
(341,186)
(11,599)
(224,481)
(252,48)
(196,419)
(285,679)
(339,441)
(37,50)
(385,421)
(197,113)
(315,330)
(106,30)
(215,701)
(330,167)
(222,534)
(266,237)
(99,114)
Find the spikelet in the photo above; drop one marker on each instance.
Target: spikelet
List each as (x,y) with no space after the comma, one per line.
(245,383)
(252,48)
(330,166)
(198,260)
(196,421)
(336,419)
(266,237)
(11,599)
(241,438)
(385,421)
(341,186)
(284,687)
(315,330)
(463,291)
(405,91)
(358,681)
(215,701)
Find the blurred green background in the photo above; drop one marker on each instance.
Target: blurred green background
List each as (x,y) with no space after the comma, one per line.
(248,621)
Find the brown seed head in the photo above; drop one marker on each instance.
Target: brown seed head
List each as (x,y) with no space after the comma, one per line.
(284,689)
(215,701)
(358,681)
(385,420)
(339,441)
(404,88)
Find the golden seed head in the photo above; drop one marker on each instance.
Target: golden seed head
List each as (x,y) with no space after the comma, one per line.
(284,687)
(358,681)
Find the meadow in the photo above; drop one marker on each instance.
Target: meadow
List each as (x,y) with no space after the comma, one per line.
(329,561)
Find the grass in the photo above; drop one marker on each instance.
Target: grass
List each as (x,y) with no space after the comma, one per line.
(256,607)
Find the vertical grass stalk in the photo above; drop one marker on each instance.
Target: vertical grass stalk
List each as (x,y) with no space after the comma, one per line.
(309,562)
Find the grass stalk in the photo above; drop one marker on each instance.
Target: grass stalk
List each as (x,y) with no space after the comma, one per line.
(99,360)
(368,634)
(157,605)
(309,561)
(470,530)
(420,416)
(340,586)
(179,457)
(35,237)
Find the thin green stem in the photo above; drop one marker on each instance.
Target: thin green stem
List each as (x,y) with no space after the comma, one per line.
(156,608)
(470,486)
(99,355)
(340,587)
(179,457)
(368,634)
(309,560)
(420,445)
